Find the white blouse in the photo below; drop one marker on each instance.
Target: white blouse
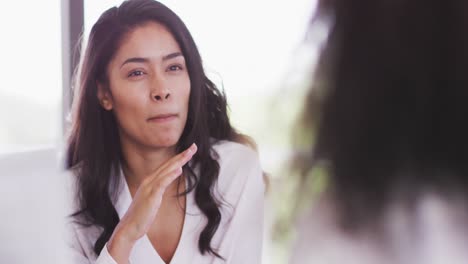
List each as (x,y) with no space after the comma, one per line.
(239,235)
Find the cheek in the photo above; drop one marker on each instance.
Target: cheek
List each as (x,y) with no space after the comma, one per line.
(186,92)
(187,96)
(186,99)
(182,93)
(128,107)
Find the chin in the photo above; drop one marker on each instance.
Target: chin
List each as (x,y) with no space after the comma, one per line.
(163,137)
(168,141)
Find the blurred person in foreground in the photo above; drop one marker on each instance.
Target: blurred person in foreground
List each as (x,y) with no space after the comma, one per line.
(388,110)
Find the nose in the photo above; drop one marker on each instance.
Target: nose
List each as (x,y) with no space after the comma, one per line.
(159,91)
(161,96)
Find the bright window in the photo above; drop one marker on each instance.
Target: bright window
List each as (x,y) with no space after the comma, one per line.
(31,70)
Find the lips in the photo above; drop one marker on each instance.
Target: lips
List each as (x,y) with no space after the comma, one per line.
(162,118)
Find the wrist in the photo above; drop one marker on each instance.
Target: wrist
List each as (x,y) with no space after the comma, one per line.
(120,246)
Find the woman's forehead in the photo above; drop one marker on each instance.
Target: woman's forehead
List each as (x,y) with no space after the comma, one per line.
(150,40)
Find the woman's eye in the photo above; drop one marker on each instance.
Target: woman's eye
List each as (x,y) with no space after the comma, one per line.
(175,68)
(135,73)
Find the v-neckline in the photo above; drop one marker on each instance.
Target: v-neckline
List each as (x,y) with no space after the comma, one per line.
(143,251)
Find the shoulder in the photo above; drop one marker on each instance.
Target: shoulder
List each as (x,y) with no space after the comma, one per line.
(232,153)
(71,189)
(80,239)
(79,231)
(240,168)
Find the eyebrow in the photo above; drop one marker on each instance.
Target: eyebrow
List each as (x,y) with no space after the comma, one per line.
(171,56)
(146,60)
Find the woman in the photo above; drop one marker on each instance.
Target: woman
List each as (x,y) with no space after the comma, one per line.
(389,111)
(159,175)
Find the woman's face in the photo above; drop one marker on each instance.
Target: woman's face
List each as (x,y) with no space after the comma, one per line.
(149,88)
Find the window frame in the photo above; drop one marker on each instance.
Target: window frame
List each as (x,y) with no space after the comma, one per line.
(72,20)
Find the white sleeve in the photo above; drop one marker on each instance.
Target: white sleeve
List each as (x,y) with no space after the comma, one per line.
(105,257)
(80,256)
(246,227)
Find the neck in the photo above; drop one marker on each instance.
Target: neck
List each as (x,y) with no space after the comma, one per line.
(142,162)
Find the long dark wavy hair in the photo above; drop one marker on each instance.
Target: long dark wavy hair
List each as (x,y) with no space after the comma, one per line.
(94,146)
(389,104)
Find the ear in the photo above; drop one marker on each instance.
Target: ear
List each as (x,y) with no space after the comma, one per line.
(104,96)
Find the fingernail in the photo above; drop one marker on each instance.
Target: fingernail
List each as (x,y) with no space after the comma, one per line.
(190,149)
